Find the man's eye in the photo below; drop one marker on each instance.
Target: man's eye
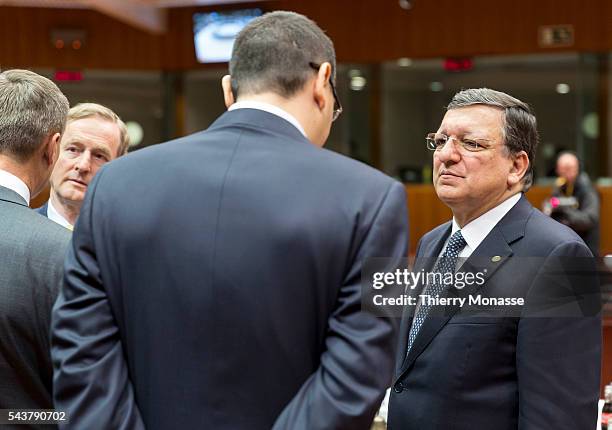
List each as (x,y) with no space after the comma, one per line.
(440,143)
(472,145)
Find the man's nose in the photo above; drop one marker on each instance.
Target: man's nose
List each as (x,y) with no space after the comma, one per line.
(83,164)
(449,152)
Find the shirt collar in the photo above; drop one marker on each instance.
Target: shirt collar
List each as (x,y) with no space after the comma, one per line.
(270,108)
(55,216)
(476,230)
(8,180)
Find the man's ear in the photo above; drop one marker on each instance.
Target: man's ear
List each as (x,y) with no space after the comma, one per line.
(320,85)
(520,164)
(228,94)
(51,149)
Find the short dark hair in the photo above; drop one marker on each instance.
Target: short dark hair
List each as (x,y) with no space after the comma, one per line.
(274,52)
(520,131)
(31,108)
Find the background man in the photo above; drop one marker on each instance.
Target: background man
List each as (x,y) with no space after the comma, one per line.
(577,203)
(94,136)
(32,249)
(466,370)
(214,282)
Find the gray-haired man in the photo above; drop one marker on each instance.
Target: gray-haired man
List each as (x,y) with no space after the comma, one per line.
(32,248)
(509,367)
(94,136)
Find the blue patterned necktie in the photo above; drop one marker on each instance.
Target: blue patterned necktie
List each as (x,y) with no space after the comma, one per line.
(445,264)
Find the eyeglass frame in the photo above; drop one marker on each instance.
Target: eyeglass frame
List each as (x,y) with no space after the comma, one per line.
(431,145)
(337,105)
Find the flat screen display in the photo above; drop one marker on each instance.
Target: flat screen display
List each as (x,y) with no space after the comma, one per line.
(214,33)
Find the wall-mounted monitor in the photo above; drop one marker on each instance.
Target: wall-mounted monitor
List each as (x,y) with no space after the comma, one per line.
(214,33)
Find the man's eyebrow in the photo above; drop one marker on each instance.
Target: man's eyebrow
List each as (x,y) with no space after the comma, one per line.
(101,148)
(72,141)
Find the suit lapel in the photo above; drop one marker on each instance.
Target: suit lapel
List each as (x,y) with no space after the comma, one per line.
(424,261)
(488,257)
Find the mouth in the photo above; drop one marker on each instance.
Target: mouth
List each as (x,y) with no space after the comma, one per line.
(76,181)
(448,174)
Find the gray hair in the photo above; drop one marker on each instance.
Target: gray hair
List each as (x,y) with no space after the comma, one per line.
(89,110)
(274,53)
(31,108)
(520,132)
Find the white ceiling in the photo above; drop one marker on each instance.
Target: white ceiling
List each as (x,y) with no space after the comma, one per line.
(145,14)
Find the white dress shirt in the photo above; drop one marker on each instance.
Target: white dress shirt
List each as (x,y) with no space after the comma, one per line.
(12,182)
(55,216)
(274,110)
(476,230)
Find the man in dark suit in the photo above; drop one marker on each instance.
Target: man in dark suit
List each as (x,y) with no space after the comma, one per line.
(465,365)
(94,136)
(32,249)
(214,281)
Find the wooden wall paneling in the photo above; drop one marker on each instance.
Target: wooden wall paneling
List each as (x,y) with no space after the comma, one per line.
(426,211)
(25,41)
(363,31)
(605,220)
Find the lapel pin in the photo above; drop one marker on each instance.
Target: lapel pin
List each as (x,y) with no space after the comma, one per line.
(495,259)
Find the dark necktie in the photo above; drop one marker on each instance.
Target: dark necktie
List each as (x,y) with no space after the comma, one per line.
(445,264)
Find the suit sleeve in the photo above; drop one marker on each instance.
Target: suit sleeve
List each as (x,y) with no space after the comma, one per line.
(357,366)
(559,344)
(91,382)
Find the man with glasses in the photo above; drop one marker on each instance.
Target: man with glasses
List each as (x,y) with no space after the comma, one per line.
(507,366)
(214,282)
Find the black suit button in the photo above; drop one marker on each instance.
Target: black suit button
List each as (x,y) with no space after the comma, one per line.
(398,388)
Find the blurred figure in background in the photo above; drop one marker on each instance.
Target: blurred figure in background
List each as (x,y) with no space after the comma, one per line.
(32,249)
(575,201)
(94,136)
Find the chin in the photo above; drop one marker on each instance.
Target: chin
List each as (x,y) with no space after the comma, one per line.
(449,194)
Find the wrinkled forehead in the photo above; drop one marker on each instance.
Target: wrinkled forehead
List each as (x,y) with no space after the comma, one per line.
(93,132)
(475,120)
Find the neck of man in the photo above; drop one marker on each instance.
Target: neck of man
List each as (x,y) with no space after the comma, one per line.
(69,209)
(465,215)
(296,106)
(25,171)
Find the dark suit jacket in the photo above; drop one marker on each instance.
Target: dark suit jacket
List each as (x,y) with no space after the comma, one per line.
(536,369)
(584,219)
(214,282)
(32,251)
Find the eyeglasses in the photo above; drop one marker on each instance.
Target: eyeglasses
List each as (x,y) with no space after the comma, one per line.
(337,105)
(436,141)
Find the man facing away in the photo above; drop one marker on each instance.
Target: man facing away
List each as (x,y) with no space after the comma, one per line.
(503,367)
(32,249)
(94,136)
(214,281)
